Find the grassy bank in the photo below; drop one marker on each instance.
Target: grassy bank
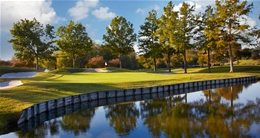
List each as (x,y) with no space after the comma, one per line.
(50,85)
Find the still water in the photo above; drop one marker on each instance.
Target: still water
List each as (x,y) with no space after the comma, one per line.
(229,112)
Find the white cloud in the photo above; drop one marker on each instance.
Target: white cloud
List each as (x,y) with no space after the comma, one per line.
(198,8)
(139,10)
(87,26)
(13,11)
(155,7)
(247,20)
(136,48)
(146,10)
(97,41)
(103,14)
(203,2)
(81,9)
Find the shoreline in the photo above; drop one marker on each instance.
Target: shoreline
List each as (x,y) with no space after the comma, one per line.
(54,104)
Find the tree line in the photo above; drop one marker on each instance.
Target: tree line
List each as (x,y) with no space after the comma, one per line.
(174,38)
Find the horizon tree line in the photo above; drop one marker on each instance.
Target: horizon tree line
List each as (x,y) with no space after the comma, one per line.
(176,34)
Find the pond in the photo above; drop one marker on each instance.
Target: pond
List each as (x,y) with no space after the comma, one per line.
(232,111)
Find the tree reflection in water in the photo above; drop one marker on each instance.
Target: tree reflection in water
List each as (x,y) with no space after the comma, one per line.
(38,132)
(123,117)
(174,117)
(171,116)
(77,122)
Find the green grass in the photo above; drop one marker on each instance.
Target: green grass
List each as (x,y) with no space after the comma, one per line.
(60,83)
(248,62)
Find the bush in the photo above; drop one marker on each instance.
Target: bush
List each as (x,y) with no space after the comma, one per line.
(4,63)
(16,63)
(113,63)
(96,62)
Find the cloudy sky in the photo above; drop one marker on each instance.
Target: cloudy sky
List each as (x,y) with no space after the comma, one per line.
(95,15)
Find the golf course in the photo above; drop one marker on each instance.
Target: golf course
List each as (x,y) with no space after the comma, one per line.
(64,82)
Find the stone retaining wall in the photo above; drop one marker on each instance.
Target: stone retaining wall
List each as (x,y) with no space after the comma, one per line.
(38,113)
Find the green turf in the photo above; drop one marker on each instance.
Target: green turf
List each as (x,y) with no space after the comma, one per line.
(60,83)
(248,62)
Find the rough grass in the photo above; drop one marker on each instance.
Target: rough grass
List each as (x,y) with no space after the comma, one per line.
(60,83)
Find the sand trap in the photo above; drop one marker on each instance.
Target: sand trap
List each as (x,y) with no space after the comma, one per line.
(14,83)
(19,75)
(10,84)
(97,70)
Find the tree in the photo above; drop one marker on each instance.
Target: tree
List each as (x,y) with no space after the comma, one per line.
(177,30)
(74,40)
(229,14)
(129,61)
(31,40)
(207,38)
(167,32)
(149,44)
(120,37)
(186,30)
(246,53)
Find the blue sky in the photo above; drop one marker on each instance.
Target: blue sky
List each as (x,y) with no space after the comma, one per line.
(95,15)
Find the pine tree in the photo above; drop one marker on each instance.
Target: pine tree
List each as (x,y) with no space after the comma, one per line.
(148,42)
(231,31)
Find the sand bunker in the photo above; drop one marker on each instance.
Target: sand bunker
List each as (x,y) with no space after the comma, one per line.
(10,84)
(97,70)
(18,75)
(14,83)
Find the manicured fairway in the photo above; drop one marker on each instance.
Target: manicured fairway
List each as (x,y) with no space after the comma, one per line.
(51,85)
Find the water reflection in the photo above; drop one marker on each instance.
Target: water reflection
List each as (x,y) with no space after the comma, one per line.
(213,114)
(123,117)
(77,122)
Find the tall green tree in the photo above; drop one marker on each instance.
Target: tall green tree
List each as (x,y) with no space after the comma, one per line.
(120,37)
(186,30)
(229,14)
(177,30)
(167,32)
(31,40)
(74,40)
(148,42)
(206,40)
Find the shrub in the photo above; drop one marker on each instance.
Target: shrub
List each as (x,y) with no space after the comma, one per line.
(4,63)
(96,62)
(17,63)
(113,63)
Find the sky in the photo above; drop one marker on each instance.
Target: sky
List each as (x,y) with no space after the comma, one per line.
(95,15)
